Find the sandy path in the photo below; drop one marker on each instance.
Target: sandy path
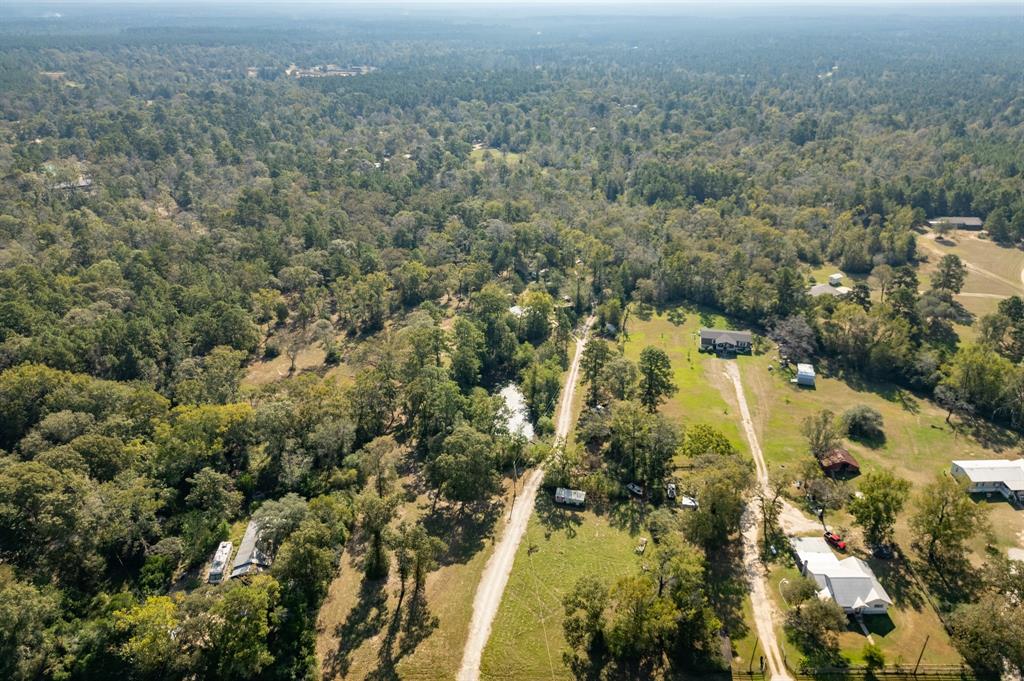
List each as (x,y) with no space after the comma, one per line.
(495,576)
(764,610)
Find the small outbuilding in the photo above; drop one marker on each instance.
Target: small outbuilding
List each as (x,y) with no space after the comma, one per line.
(819,290)
(805,375)
(839,463)
(835,279)
(688,503)
(572,497)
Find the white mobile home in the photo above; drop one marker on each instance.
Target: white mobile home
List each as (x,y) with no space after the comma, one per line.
(992,475)
(219,562)
(573,497)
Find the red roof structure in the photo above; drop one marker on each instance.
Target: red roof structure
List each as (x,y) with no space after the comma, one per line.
(839,462)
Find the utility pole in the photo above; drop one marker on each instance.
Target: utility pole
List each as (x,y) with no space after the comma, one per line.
(515,487)
(922,653)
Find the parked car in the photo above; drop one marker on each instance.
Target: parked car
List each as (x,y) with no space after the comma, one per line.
(670,490)
(635,489)
(835,540)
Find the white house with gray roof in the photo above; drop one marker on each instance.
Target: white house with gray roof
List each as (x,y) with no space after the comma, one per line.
(992,475)
(850,582)
(722,340)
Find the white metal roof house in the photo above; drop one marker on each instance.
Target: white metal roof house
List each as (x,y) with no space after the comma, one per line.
(219,562)
(992,475)
(850,582)
(827,290)
(250,559)
(575,497)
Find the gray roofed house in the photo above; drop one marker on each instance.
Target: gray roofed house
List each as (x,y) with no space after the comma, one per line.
(992,475)
(250,559)
(722,340)
(827,290)
(849,582)
(958,222)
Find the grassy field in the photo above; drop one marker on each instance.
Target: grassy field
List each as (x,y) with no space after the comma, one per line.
(361,634)
(918,445)
(997,275)
(560,546)
(705,395)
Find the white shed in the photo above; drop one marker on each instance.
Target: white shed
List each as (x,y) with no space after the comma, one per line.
(835,279)
(805,374)
(575,497)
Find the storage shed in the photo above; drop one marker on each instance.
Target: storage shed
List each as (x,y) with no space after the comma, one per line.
(573,497)
(839,463)
(835,279)
(805,374)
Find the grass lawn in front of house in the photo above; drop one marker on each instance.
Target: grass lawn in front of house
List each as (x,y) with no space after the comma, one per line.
(560,546)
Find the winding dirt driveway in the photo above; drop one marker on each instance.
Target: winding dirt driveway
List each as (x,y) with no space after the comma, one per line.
(792,521)
(495,577)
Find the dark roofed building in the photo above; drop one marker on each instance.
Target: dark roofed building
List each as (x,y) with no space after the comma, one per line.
(839,463)
(721,340)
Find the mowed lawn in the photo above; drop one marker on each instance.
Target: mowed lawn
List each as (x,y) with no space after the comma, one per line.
(982,291)
(919,445)
(559,547)
(705,393)
(901,634)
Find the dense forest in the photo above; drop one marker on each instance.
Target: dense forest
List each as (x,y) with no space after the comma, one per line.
(175,208)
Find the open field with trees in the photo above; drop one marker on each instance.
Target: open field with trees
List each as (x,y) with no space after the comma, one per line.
(327,319)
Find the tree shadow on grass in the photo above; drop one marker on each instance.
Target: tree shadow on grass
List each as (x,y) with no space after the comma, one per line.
(726,588)
(463,529)
(897,578)
(364,622)
(629,516)
(952,582)
(407,628)
(989,435)
(887,391)
(556,518)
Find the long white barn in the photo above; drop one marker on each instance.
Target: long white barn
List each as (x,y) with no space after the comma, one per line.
(992,475)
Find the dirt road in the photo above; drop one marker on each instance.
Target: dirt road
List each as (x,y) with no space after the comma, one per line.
(929,245)
(495,576)
(762,605)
